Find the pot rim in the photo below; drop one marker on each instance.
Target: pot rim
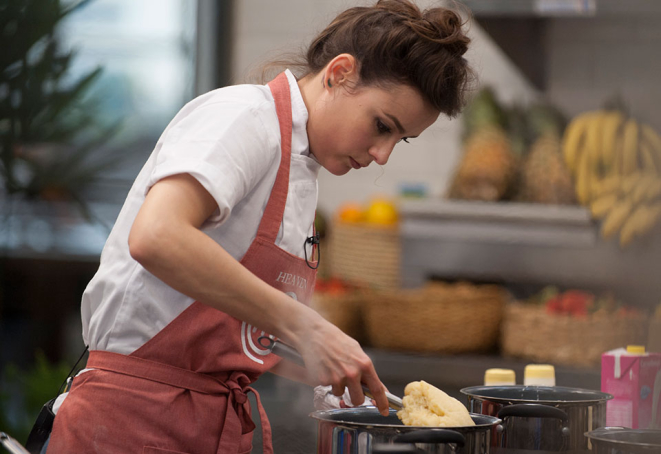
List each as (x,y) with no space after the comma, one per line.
(478,391)
(598,435)
(322,415)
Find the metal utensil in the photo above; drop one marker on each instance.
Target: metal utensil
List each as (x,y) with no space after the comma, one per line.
(13,446)
(289,353)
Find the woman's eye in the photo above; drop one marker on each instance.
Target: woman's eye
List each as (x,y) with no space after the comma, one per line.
(405,139)
(382,127)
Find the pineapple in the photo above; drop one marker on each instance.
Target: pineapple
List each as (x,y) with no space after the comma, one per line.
(488,167)
(544,176)
(482,111)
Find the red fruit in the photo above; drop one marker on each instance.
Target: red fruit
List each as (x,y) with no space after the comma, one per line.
(576,302)
(553,305)
(580,313)
(335,286)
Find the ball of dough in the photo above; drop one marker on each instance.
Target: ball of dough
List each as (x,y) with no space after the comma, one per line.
(426,405)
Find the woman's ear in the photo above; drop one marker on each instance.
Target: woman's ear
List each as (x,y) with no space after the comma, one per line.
(340,70)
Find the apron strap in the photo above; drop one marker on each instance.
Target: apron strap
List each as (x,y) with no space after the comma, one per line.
(275,208)
(155,371)
(267,435)
(233,429)
(237,416)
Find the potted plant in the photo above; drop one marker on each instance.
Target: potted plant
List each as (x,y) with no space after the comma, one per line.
(50,132)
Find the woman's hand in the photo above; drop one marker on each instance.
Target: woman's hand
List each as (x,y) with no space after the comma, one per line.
(333,358)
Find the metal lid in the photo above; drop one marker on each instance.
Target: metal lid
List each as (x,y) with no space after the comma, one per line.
(537,394)
(623,437)
(370,416)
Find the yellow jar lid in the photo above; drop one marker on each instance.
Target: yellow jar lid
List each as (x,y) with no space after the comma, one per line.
(636,349)
(499,375)
(539,371)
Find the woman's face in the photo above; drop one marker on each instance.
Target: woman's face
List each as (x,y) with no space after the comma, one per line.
(350,129)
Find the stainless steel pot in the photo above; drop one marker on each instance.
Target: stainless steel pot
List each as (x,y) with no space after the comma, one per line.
(540,419)
(363,430)
(619,440)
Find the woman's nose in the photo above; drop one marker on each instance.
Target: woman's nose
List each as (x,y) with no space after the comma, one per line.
(381,152)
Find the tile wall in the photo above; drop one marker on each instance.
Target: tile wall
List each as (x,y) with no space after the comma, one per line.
(588,61)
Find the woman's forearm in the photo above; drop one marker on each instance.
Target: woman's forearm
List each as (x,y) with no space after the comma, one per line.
(171,247)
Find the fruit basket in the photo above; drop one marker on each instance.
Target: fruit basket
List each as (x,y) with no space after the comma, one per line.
(573,332)
(341,304)
(364,245)
(437,318)
(365,255)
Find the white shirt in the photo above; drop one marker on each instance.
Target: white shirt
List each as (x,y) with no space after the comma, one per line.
(229,140)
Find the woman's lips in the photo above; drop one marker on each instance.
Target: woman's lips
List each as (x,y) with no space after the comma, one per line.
(354,163)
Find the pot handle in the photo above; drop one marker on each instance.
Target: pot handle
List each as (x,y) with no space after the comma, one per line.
(533,411)
(397,448)
(432,436)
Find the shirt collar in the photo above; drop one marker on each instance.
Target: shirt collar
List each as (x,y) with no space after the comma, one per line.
(299,116)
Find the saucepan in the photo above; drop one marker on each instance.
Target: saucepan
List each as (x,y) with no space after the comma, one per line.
(540,419)
(363,430)
(621,440)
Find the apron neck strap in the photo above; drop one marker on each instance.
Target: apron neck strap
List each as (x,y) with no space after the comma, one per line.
(275,208)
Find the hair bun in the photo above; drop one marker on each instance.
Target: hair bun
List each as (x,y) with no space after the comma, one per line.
(447,26)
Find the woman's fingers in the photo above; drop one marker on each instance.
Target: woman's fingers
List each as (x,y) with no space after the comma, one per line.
(378,391)
(337,389)
(355,392)
(367,376)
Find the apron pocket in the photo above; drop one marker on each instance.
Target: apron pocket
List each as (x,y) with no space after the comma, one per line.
(153,450)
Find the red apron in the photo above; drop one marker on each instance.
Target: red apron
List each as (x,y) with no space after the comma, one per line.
(184,391)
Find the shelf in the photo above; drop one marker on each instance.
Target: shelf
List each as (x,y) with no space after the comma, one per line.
(521,28)
(519,243)
(561,8)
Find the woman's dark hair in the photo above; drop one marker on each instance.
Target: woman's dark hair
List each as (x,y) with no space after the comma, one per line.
(395,42)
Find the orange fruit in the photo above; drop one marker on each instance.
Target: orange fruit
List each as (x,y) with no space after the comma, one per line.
(351,212)
(382,212)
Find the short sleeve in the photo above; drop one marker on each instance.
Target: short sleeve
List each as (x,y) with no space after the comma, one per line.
(227,146)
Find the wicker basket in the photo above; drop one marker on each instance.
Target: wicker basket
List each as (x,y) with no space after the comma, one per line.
(530,332)
(654,338)
(365,255)
(440,318)
(342,310)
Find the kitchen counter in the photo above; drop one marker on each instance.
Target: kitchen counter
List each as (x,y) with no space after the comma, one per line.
(288,404)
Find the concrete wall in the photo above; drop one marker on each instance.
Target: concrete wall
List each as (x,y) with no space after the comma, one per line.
(262,29)
(591,60)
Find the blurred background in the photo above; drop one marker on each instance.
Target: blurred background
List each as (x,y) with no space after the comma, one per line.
(526,230)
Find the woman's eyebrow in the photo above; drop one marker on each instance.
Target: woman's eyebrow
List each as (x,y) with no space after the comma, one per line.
(397,123)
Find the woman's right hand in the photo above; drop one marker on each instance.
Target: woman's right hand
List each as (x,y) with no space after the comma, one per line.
(333,358)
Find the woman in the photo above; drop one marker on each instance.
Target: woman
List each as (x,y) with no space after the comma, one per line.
(208,252)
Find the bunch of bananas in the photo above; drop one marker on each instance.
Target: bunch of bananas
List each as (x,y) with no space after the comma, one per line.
(616,165)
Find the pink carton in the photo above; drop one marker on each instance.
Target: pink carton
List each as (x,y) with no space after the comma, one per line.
(634,380)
